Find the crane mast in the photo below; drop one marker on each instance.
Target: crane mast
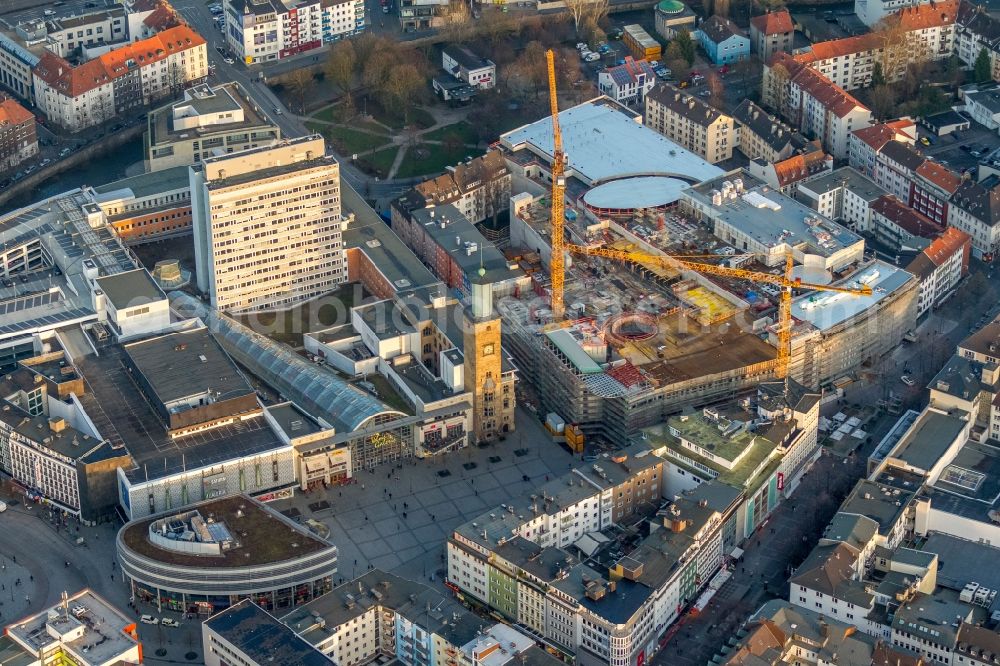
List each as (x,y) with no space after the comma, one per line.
(557,264)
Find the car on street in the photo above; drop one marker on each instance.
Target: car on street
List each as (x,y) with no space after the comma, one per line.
(167,622)
(705,93)
(148,619)
(616,33)
(908,380)
(925,141)
(46,162)
(229,61)
(724,70)
(65,151)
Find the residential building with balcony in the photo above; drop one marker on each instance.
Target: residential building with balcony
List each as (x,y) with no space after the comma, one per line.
(691,122)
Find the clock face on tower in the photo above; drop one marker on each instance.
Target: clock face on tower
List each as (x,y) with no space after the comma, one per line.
(487,350)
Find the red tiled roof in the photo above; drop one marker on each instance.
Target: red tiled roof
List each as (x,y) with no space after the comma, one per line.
(905,217)
(947,244)
(822,89)
(774,23)
(162,18)
(940,175)
(931,15)
(74,81)
(12,113)
(839,47)
(797,167)
(920,17)
(876,136)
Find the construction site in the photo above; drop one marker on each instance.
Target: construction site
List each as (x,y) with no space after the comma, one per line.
(639,307)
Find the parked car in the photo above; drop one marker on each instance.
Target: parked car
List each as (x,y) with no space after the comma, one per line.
(148,619)
(582,46)
(229,61)
(724,69)
(592,57)
(167,622)
(603,48)
(64,152)
(46,162)
(925,141)
(909,381)
(615,34)
(3,506)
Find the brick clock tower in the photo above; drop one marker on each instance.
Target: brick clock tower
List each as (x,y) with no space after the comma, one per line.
(488,375)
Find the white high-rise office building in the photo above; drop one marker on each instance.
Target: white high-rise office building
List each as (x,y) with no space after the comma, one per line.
(267,225)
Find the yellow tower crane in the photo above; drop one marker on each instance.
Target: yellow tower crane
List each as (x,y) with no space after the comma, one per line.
(557,264)
(785,281)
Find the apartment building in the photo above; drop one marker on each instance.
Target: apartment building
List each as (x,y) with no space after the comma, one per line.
(16,65)
(454,248)
(207,122)
(843,195)
(871,12)
(850,62)
(691,122)
(975,30)
(975,209)
(780,634)
(813,104)
(764,135)
(267,225)
(723,40)
(940,267)
(865,143)
(118,81)
(479,188)
(248,635)
(770,33)
(264,30)
(627,83)
(85,31)
(18,136)
(785,174)
(504,561)
(900,228)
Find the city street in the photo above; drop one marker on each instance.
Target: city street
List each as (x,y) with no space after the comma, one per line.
(782,542)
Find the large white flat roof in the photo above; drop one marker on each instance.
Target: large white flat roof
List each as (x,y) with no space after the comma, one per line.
(825,310)
(603,141)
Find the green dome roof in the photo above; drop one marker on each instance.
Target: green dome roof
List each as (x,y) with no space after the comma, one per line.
(670,6)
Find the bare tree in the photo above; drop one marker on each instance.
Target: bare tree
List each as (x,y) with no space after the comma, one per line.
(401,85)
(716,89)
(598,11)
(340,65)
(457,22)
(578,11)
(377,68)
(895,50)
(300,82)
(496,26)
(775,89)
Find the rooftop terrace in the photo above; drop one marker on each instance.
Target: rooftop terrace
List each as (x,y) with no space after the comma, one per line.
(265,536)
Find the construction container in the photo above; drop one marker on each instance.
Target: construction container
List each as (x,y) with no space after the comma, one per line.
(574,438)
(554,423)
(640,44)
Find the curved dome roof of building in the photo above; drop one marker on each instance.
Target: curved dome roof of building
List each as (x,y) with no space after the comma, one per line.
(670,7)
(318,391)
(635,193)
